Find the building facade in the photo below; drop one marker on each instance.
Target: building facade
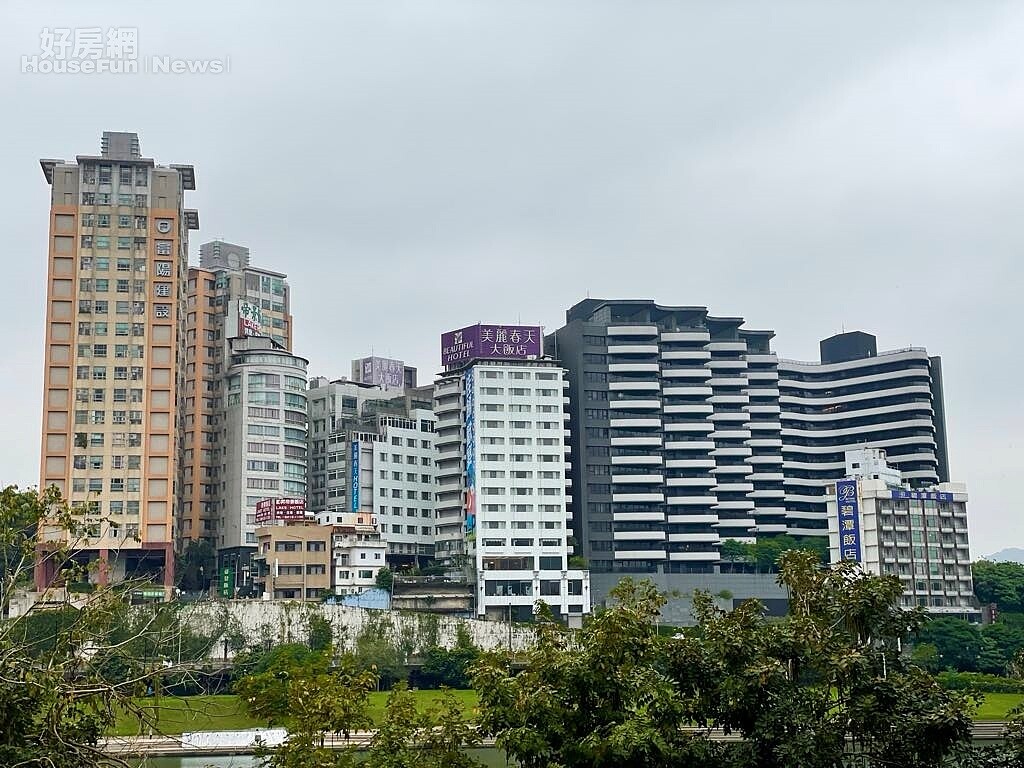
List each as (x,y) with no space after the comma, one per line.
(856,397)
(293,561)
(390,375)
(372,453)
(226,298)
(502,473)
(263,444)
(917,534)
(114,368)
(675,435)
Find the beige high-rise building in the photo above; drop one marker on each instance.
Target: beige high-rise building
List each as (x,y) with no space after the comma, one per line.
(114,364)
(226,298)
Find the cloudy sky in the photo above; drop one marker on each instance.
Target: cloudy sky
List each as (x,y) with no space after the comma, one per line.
(418,166)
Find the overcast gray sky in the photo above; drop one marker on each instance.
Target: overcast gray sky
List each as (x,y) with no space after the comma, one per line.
(418,166)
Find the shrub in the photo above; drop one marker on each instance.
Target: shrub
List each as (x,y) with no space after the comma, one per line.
(979,682)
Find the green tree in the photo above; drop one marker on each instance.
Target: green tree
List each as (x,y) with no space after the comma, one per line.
(926,656)
(317,702)
(597,697)
(267,692)
(196,567)
(58,690)
(808,690)
(447,668)
(321,634)
(735,551)
(435,738)
(957,641)
(19,516)
(1000,583)
(828,678)
(385,579)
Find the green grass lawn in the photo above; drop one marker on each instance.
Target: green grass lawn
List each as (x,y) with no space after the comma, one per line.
(996,705)
(225,713)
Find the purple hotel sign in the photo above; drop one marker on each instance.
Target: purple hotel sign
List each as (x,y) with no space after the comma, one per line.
(490,342)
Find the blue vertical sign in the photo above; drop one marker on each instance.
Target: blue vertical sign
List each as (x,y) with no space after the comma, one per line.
(354,482)
(848,508)
(470,456)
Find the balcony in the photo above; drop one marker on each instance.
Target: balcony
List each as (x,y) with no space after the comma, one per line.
(691,501)
(635,404)
(694,537)
(685,373)
(693,519)
(695,336)
(728,381)
(687,354)
(738,450)
(731,487)
(634,460)
(637,423)
(691,408)
(638,517)
(634,386)
(736,506)
(620,498)
(731,433)
(640,554)
(689,426)
(689,391)
(641,479)
(728,346)
(632,349)
(688,463)
(686,445)
(704,557)
(638,535)
(636,441)
(632,330)
(690,482)
(634,368)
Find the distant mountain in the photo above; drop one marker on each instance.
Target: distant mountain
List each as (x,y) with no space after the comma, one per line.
(1010,554)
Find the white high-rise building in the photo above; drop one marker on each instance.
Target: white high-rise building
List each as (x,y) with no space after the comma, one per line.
(502,472)
(263,444)
(917,534)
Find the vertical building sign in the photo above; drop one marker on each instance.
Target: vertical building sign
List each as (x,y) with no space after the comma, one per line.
(354,481)
(470,456)
(849,520)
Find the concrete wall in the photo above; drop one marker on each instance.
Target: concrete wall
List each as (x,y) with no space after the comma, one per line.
(736,587)
(281,621)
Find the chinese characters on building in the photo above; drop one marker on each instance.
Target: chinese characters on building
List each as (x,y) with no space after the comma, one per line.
(848,509)
(490,342)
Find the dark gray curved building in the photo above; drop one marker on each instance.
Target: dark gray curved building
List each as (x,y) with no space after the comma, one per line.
(687,430)
(856,397)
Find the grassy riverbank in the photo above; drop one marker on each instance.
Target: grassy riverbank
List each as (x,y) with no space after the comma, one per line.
(175,715)
(226,713)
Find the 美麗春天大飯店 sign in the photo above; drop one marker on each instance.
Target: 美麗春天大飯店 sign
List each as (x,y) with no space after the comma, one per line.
(490,342)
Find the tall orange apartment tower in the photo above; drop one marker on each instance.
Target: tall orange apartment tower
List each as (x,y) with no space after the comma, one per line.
(115,363)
